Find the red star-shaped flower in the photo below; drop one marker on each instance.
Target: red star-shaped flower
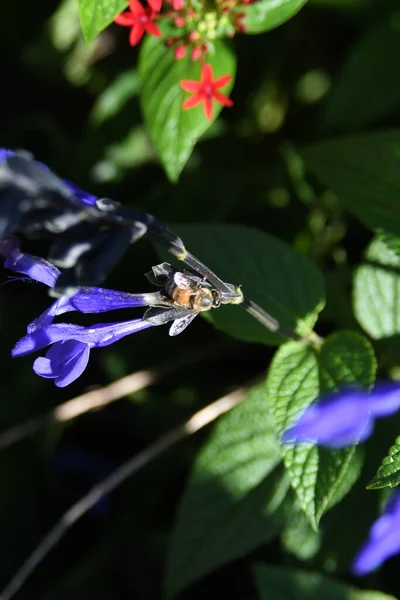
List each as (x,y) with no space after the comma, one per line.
(140,19)
(206,90)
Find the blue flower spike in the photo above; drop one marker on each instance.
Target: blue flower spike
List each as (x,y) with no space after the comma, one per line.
(344,417)
(383,541)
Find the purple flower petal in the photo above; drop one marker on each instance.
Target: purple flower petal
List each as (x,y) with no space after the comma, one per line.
(383,541)
(96,300)
(341,419)
(385,399)
(4,153)
(64,362)
(345,417)
(35,267)
(97,335)
(60,306)
(84,197)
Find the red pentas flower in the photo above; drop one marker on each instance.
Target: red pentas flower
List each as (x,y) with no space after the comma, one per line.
(140,19)
(206,90)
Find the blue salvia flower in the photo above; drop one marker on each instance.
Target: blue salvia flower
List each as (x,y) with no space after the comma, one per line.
(383,541)
(70,344)
(345,417)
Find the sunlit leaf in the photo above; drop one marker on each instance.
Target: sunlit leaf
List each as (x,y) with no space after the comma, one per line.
(96,15)
(388,474)
(234,492)
(377,291)
(175,131)
(267,14)
(299,375)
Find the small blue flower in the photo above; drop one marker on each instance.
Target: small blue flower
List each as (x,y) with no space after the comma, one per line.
(345,417)
(383,541)
(70,346)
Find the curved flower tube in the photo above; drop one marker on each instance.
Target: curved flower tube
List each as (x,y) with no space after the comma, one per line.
(70,345)
(383,541)
(345,417)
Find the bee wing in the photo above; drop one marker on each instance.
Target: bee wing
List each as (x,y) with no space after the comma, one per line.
(159,315)
(160,273)
(180,324)
(183,282)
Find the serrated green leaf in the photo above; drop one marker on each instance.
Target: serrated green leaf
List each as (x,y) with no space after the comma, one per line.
(285,284)
(175,131)
(96,15)
(364,171)
(376,295)
(388,474)
(267,14)
(293,584)
(391,241)
(233,494)
(367,88)
(297,376)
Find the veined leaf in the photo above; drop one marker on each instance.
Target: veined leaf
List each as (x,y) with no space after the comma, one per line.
(233,495)
(364,171)
(376,294)
(299,375)
(175,131)
(388,474)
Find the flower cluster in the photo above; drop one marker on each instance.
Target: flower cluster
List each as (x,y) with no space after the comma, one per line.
(193,26)
(344,418)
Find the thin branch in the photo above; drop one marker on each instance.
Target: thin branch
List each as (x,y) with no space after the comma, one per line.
(101,397)
(128,468)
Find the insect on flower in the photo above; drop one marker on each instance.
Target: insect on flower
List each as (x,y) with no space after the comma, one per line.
(185,294)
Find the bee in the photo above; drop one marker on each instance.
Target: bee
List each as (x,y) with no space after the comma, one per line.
(183,296)
(187,292)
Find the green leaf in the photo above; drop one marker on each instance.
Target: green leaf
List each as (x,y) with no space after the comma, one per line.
(376,295)
(113,99)
(175,131)
(285,284)
(297,376)
(233,494)
(388,474)
(364,171)
(367,89)
(96,15)
(293,584)
(268,14)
